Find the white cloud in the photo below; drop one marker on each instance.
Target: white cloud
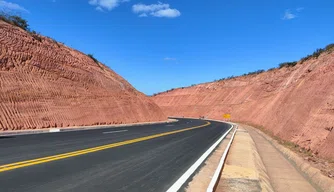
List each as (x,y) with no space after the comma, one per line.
(155,10)
(106,4)
(167,13)
(8,6)
(149,8)
(288,15)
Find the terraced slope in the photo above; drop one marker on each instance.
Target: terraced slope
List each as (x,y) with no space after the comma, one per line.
(294,103)
(46,84)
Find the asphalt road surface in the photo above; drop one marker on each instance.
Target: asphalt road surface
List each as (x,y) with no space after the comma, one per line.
(139,158)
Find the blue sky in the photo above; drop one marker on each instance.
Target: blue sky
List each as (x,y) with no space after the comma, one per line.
(159,45)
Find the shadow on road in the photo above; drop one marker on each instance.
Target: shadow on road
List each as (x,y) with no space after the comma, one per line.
(6,137)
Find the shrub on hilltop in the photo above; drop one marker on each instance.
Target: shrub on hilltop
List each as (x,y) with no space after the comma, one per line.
(254,72)
(318,52)
(287,64)
(93,58)
(21,23)
(15,20)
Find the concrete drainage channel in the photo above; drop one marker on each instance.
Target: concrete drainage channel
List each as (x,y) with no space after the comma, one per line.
(215,178)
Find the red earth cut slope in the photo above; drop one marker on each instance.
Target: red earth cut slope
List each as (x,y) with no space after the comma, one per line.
(295,104)
(46,84)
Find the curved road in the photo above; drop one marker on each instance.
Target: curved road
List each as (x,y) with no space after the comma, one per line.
(138,158)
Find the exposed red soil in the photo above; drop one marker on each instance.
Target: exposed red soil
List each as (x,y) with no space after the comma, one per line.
(293,103)
(46,84)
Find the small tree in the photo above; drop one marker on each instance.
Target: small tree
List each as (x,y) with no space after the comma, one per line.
(329,47)
(20,22)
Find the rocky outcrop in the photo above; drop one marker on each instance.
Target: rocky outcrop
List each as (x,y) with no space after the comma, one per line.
(46,84)
(293,103)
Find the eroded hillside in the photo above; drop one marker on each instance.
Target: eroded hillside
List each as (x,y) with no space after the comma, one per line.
(294,103)
(46,84)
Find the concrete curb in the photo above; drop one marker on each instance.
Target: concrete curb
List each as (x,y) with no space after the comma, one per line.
(312,174)
(77,128)
(215,179)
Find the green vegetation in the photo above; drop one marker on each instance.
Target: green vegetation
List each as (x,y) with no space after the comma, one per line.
(15,20)
(226,78)
(287,64)
(329,48)
(254,72)
(171,90)
(155,94)
(21,23)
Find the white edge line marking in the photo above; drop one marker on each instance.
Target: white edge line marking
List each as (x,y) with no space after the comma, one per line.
(178,184)
(215,177)
(114,131)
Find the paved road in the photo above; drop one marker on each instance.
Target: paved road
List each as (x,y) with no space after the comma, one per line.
(111,159)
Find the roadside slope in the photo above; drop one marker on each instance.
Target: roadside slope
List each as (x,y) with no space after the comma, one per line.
(293,103)
(46,84)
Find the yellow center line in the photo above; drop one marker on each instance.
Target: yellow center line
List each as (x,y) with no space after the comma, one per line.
(31,162)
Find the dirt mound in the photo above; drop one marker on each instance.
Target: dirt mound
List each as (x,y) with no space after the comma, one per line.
(46,84)
(293,103)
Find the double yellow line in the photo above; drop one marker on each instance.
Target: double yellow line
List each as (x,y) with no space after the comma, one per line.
(31,162)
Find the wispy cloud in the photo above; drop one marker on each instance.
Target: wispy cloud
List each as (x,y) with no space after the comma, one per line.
(288,15)
(143,15)
(155,10)
(8,6)
(102,5)
(98,8)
